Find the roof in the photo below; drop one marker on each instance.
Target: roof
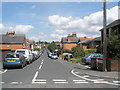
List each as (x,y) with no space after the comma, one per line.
(114,23)
(91,40)
(72,39)
(17,39)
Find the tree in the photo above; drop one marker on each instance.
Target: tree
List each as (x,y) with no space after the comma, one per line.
(77,51)
(113,46)
(52,46)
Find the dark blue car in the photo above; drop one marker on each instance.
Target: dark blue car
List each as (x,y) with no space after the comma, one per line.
(87,58)
(14,60)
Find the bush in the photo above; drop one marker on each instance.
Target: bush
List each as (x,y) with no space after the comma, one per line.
(113,47)
(78,51)
(36,49)
(88,51)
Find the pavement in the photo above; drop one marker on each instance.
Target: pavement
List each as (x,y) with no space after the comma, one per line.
(101,74)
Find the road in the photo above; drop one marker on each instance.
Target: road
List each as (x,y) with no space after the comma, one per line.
(48,73)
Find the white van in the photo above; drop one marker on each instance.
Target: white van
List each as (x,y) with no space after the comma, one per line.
(27,54)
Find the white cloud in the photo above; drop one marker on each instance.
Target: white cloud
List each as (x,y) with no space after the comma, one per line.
(2,27)
(23,28)
(18,28)
(40,36)
(87,26)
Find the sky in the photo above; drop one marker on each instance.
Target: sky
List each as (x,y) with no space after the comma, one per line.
(49,21)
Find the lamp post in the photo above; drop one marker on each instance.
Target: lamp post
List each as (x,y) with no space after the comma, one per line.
(104,37)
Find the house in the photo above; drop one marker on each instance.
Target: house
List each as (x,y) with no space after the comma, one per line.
(12,41)
(70,41)
(90,43)
(112,29)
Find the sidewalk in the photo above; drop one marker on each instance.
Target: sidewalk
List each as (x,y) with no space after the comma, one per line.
(101,74)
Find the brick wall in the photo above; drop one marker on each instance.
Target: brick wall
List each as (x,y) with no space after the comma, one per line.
(69,46)
(113,65)
(11,46)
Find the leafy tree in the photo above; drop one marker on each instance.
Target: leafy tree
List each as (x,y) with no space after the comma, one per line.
(113,46)
(52,47)
(78,51)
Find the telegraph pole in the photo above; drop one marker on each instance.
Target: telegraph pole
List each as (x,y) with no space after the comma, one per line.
(104,37)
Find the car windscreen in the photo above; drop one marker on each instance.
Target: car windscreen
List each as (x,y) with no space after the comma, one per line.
(23,52)
(53,54)
(12,56)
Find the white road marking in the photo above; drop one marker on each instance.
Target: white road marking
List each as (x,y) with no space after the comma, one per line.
(1,72)
(40,67)
(2,82)
(79,80)
(14,83)
(100,82)
(40,80)
(116,81)
(39,83)
(34,78)
(59,80)
(90,79)
(41,62)
(86,76)
(5,71)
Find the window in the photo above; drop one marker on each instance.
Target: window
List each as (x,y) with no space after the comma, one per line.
(12,56)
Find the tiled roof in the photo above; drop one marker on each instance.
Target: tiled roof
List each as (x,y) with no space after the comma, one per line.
(17,39)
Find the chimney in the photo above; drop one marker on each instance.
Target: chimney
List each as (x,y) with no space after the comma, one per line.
(69,37)
(74,34)
(12,33)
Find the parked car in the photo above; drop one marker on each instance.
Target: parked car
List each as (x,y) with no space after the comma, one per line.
(14,59)
(54,56)
(35,55)
(27,54)
(68,56)
(87,58)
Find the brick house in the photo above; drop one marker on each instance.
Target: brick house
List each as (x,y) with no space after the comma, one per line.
(69,41)
(12,41)
(112,29)
(90,43)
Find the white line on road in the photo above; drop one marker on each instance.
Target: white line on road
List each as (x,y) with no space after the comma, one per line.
(14,83)
(34,78)
(79,80)
(91,79)
(40,80)
(40,67)
(39,83)
(2,82)
(41,62)
(59,80)
(116,81)
(100,82)
(5,71)
(1,72)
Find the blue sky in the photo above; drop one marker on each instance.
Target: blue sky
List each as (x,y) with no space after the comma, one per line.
(36,17)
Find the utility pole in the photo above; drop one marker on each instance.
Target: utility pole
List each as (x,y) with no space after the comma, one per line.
(104,37)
